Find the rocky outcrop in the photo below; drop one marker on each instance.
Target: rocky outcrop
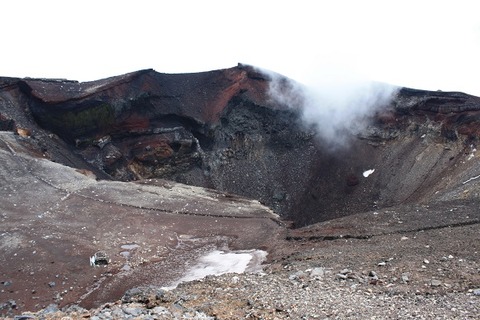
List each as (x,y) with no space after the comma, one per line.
(55,218)
(221,129)
(458,113)
(94,169)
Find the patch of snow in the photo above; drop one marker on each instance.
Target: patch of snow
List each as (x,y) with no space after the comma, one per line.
(472,178)
(472,154)
(220,262)
(366,173)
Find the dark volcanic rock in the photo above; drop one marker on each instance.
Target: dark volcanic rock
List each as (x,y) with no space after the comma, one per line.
(221,129)
(412,170)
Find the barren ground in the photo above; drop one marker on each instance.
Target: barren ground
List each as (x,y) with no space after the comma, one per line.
(155,170)
(54,220)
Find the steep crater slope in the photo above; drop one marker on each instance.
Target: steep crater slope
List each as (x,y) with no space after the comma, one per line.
(221,129)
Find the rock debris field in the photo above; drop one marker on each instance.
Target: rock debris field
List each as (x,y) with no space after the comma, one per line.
(412,275)
(202,196)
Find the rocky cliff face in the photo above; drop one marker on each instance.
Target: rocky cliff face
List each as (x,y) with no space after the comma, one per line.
(222,130)
(118,143)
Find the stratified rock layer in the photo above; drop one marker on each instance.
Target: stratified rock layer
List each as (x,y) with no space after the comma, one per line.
(222,130)
(120,143)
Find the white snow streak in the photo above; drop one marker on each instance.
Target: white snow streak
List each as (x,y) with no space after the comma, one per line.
(219,262)
(368,172)
(473,178)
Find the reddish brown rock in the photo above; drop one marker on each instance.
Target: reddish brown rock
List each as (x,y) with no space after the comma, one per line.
(352,180)
(54,218)
(221,129)
(216,129)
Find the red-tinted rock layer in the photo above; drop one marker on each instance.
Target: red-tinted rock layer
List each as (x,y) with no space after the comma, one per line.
(220,129)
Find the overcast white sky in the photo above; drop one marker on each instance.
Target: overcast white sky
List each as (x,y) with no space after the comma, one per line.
(421,44)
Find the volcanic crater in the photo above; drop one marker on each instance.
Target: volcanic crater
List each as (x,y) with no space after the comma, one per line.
(175,165)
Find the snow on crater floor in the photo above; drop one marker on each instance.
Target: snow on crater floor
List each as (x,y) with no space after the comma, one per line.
(366,173)
(219,262)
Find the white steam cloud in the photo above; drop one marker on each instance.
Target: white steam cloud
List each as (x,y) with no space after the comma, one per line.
(338,106)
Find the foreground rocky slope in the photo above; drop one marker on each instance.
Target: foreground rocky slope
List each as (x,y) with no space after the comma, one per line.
(83,169)
(55,217)
(425,274)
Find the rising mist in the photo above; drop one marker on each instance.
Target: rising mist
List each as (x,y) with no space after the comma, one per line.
(336,106)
